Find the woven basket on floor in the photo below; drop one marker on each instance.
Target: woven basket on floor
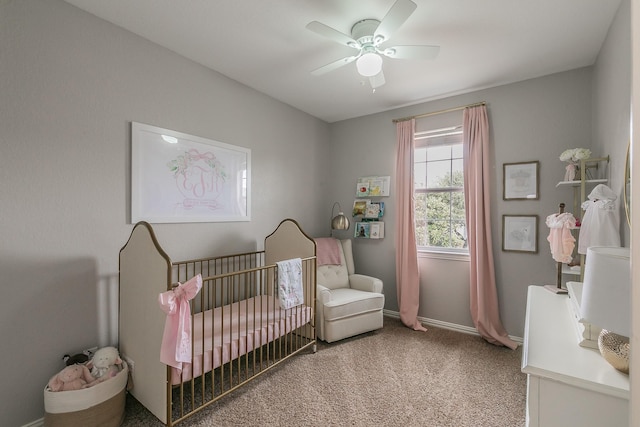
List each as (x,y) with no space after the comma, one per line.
(102,404)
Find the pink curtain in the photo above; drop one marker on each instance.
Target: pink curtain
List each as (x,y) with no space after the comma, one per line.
(484,297)
(407,276)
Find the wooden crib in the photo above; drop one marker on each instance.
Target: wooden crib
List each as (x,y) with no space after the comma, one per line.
(239,329)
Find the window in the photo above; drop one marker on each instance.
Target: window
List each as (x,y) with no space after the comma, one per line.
(439,190)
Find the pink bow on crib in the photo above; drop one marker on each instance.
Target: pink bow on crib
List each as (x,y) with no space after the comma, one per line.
(176,340)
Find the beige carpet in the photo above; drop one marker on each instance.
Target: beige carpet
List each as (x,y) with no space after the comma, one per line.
(391,377)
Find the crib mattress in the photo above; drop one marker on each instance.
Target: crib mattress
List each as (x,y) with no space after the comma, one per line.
(226,333)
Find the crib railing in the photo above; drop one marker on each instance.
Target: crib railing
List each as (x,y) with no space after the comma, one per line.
(239,329)
(184,270)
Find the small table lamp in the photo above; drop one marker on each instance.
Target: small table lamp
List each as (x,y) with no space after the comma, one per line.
(606,301)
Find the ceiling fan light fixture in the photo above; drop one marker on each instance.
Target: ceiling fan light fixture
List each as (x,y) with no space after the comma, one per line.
(367,35)
(369,64)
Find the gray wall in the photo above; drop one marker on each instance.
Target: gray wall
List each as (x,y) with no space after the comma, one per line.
(531,120)
(70,85)
(611,103)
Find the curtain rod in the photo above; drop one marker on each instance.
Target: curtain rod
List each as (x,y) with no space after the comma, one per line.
(404,119)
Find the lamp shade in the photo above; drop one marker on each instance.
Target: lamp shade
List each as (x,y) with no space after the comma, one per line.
(606,290)
(369,64)
(340,222)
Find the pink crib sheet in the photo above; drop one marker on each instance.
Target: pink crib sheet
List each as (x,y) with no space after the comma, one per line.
(234,330)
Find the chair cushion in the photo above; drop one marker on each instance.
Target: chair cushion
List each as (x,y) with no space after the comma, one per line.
(346,302)
(333,276)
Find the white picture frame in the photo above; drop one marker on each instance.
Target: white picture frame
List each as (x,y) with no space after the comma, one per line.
(177,177)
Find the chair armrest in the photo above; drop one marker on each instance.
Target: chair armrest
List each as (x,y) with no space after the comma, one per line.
(323,294)
(365,283)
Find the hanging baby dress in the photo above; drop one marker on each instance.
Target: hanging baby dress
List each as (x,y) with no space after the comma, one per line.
(601,222)
(560,239)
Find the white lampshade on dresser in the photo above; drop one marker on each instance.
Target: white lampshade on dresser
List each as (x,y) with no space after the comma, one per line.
(606,301)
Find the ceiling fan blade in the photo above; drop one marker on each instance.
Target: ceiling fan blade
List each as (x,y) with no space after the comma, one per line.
(334,65)
(330,33)
(411,52)
(377,80)
(397,15)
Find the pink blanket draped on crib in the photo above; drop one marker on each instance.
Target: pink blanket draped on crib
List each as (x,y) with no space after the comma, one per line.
(236,329)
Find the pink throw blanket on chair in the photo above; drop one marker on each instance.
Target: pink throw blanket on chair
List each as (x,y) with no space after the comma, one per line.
(327,251)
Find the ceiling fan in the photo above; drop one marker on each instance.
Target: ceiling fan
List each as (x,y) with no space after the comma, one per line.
(367,36)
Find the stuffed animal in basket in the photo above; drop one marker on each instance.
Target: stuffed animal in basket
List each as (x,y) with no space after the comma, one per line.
(74,377)
(80,358)
(76,359)
(105,364)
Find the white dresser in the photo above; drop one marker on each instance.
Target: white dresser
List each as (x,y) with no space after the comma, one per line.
(567,385)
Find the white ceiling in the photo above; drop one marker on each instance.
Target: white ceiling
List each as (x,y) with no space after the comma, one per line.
(265,45)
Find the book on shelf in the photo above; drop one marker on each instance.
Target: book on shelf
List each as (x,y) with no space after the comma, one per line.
(369,230)
(362,229)
(373,186)
(372,210)
(376,230)
(362,189)
(360,206)
(376,187)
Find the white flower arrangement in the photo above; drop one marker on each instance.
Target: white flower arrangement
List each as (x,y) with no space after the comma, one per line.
(574,155)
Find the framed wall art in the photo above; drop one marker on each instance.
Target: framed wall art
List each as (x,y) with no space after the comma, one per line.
(520,181)
(176,177)
(520,233)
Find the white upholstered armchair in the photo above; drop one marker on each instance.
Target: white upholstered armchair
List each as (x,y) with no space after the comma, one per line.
(347,303)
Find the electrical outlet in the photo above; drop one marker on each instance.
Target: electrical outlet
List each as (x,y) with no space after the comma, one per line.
(130,363)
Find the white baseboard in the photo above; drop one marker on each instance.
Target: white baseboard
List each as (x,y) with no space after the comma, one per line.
(446,325)
(36,423)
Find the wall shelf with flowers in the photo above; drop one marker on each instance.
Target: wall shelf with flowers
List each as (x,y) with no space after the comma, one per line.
(585,168)
(580,167)
(573,157)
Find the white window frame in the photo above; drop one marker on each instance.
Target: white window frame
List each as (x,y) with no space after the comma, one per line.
(421,139)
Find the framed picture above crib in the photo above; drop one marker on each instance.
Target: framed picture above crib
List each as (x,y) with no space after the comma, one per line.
(176,177)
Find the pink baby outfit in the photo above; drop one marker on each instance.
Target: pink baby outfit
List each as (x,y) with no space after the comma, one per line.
(560,239)
(176,340)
